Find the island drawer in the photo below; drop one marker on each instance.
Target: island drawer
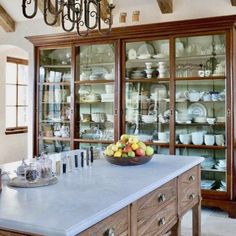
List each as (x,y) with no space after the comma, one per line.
(157,199)
(116,224)
(158,222)
(189,189)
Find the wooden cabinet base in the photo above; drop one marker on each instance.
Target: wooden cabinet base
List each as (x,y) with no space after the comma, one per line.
(228,206)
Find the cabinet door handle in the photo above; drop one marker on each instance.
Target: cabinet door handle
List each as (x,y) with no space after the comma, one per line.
(161,198)
(192,196)
(109,232)
(162,221)
(191,178)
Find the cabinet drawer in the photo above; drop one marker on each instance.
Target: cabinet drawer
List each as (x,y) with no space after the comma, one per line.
(114,225)
(160,222)
(157,199)
(189,189)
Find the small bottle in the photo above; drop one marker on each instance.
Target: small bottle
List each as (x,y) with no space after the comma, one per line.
(82,159)
(69,163)
(91,155)
(76,161)
(64,165)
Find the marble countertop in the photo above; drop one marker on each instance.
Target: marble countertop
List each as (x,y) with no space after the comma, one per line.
(84,197)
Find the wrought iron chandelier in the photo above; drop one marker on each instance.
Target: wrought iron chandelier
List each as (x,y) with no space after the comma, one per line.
(79,15)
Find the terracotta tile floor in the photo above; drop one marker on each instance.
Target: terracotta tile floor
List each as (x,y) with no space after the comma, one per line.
(214,223)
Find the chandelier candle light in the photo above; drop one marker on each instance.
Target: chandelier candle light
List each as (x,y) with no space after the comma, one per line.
(79,15)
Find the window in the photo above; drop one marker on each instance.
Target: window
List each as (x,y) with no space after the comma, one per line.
(16,95)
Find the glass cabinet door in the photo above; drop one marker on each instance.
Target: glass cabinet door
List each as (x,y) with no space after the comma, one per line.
(146,98)
(54,100)
(200,103)
(95,93)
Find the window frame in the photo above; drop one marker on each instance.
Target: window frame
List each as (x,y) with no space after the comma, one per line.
(17,129)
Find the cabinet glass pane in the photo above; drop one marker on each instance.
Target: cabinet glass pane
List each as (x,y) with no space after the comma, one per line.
(54,89)
(200,104)
(52,146)
(213,168)
(147,91)
(95,92)
(96,62)
(200,56)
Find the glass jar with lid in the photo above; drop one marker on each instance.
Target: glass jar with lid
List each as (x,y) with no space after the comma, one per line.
(32,173)
(45,166)
(20,171)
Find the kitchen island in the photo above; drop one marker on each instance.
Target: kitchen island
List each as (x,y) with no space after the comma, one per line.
(105,199)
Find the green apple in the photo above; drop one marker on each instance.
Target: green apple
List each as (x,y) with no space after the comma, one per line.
(149,151)
(120,144)
(133,139)
(124,138)
(131,154)
(124,154)
(142,145)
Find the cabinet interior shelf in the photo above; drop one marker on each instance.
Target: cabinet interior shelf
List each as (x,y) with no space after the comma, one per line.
(97,64)
(145,80)
(157,144)
(55,83)
(99,81)
(61,66)
(52,121)
(200,146)
(200,101)
(213,170)
(94,141)
(201,78)
(93,122)
(198,57)
(54,138)
(200,124)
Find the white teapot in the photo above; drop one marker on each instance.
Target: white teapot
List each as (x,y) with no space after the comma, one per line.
(193,96)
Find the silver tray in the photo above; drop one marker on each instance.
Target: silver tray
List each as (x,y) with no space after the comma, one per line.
(21,183)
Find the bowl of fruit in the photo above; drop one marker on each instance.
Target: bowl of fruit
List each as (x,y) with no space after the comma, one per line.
(128,151)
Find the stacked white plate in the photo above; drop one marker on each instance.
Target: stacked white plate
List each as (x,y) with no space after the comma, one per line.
(221,164)
(208,163)
(207,184)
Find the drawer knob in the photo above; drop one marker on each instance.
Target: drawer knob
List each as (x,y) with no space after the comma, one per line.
(162,221)
(161,198)
(192,196)
(109,232)
(191,178)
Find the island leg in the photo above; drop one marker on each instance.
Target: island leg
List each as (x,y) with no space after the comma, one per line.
(196,212)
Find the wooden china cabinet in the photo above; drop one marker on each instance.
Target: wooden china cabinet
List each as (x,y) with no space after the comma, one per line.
(172,84)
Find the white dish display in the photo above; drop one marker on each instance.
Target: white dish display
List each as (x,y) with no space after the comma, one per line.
(197,110)
(146,48)
(132,54)
(159,55)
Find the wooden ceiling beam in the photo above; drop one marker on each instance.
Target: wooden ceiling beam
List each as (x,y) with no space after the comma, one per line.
(233,2)
(50,16)
(7,23)
(166,6)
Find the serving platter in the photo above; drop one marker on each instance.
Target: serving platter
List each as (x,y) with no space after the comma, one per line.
(197,109)
(22,183)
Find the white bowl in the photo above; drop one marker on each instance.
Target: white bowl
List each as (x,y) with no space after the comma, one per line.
(148,118)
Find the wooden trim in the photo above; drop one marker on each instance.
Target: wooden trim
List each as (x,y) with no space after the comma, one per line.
(233,2)
(17,61)
(16,130)
(7,23)
(166,6)
(158,29)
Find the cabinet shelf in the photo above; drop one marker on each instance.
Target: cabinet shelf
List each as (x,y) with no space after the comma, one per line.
(198,57)
(52,121)
(213,170)
(145,80)
(200,124)
(99,81)
(55,83)
(201,78)
(94,141)
(157,144)
(54,138)
(93,122)
(200,146)
(97,64)
(61,66)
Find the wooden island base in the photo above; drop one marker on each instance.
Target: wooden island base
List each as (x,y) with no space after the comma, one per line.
(156,213)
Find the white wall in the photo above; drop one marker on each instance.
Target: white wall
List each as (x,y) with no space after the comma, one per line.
(150,13)
(13,147)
